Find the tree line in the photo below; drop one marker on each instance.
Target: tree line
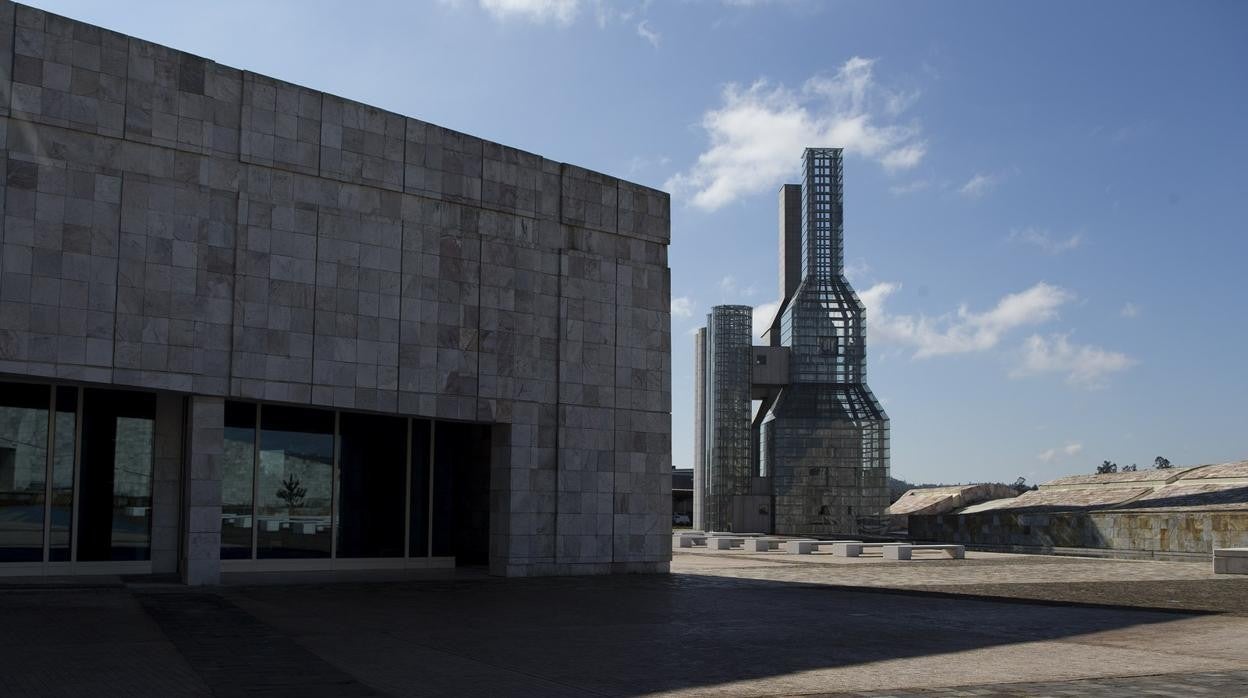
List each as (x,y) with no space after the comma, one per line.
(1159,463)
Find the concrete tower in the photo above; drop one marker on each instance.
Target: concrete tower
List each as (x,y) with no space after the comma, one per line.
(824,439)
(813,460)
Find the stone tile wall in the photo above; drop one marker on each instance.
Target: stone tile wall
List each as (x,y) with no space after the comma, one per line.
(172,223)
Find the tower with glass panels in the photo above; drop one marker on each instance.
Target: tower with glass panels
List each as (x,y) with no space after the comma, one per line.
(818,438)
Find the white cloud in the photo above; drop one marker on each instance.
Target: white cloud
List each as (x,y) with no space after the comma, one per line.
(857,270)
(647,32)
(904,158)
(1044,240)
(763,315)
(641,163)
(538,11)
(963,331)
(1084,365)
(909,188)
(1070,449)
(979,185)
(758,132)
(730,289)
(682,306)
(1130,310)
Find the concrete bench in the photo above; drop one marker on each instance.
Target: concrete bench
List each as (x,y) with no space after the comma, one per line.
(724,542)
(1230,561)
(765,544)
(902,552)
(854,548)
(806,547)
(689,540)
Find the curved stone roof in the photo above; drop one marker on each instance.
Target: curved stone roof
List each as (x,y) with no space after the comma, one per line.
(1150,475)
(1196,495)
(1236,469)
(1061,499)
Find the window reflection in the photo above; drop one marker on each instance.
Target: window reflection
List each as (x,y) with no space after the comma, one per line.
(371,464)
(62,514)
(115,500)
(295,482)
(418,526)
(23,470)
(237,467)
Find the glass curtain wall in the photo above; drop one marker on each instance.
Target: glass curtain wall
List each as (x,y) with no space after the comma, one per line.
(294,488)
(115,483)
(371,472)
(238,467)
(23,470)
(293,478)
(64,455)
(75,473)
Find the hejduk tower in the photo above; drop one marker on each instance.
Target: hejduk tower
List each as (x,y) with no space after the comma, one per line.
(818,441)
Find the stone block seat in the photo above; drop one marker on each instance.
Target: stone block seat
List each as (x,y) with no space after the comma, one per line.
(689,539)
(903,552)
(764,544)
(724,542)
(854,548)
(1230,561)
(806,547)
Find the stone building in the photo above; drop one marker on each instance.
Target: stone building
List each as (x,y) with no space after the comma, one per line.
(247,326)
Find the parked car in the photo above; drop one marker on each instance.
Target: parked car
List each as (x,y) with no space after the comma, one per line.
(681,520)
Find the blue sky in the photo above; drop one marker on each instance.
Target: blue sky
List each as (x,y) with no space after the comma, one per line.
(1045,202)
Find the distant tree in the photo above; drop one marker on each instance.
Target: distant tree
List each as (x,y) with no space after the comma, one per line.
(292,493)
(1129,468)
(1162,463)
(1106,468)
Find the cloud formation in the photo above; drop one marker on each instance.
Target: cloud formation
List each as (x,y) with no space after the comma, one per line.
(758,132)
(560,12)
(1130,310)
(647,32)
(682,307)
(963,331)
(1070,449)
(978,185)
(1045,241)
(762,318)
(1084,365)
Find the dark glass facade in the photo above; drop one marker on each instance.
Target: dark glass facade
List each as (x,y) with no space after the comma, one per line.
(306,484)
(371,483)
(69,493)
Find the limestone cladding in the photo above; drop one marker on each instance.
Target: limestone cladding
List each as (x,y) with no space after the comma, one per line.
(176,224)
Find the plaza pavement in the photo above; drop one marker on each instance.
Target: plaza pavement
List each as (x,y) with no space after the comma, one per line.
(722,624)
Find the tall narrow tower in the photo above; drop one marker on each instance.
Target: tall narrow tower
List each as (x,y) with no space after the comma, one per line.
(824,440)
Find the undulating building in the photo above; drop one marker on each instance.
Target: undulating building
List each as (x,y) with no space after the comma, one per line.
(247,326)
(790,439)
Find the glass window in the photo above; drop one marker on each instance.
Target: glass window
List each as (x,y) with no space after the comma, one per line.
(295,482)
(23,470)
(66,436)
(461,484)
(115,498)
(237,480)
(418,528)
(372,468)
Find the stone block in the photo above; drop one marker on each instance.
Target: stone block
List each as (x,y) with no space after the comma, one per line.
(441,163)
(1230,561)
(361,144)
(279,124)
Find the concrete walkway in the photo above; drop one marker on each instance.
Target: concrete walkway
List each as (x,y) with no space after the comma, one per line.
(680,634)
